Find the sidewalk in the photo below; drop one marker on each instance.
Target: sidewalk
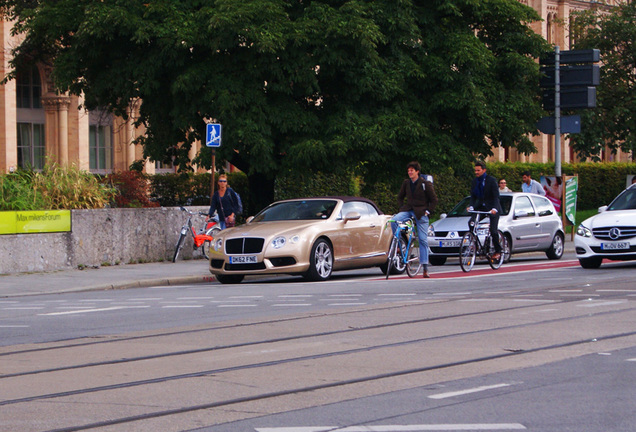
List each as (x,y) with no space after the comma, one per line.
(106,277)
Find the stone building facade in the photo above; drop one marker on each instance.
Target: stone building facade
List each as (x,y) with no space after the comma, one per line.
(37,124)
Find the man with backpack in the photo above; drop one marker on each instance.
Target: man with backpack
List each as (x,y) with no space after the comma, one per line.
(420,203)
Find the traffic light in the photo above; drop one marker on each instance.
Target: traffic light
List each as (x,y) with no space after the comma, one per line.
(577,83)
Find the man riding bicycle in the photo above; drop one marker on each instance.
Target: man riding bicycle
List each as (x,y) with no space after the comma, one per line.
(484,196)
(420,203)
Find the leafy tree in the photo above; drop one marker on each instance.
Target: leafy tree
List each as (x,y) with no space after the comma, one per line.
(301,85)
(613,122)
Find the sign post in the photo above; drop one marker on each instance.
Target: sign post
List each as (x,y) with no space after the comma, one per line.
(213,140)
(569,201)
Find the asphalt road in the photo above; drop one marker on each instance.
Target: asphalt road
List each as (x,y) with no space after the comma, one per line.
(537,345)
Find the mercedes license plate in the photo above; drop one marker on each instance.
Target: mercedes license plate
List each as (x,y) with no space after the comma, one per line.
(450,243)
(246,259)
(615,246)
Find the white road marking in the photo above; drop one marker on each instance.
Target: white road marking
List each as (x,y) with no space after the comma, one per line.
(295,296)
(235,305)
(180,306)
(93,310)
(633,359)
(467,391)
(23,308)
(401,428)
(345,304)
(13,326)
(397,294)
(597,304)
(290,304)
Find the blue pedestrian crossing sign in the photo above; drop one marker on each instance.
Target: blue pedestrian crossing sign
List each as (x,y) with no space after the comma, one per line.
(213,135)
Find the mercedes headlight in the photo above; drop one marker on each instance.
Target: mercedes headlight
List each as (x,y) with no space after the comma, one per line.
(583,231)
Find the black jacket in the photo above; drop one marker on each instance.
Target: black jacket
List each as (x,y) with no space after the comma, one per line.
(491,195)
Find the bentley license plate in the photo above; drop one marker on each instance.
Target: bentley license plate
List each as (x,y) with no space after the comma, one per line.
(615,246)
(247,259)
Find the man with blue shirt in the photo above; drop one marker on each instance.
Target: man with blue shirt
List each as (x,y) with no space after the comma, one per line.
(529,185)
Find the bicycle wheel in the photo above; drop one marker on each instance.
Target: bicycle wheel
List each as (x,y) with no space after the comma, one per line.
(205,247)
(177,249)
(502,256)
(413,265)
(390,257)
(468,252)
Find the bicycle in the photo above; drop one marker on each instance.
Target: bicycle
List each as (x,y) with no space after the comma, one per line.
(202,239)
(404,252)
(472,247)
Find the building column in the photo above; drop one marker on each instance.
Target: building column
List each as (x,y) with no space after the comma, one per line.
(56,134)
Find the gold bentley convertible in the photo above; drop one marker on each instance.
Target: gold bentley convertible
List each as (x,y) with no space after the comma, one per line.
(311,237)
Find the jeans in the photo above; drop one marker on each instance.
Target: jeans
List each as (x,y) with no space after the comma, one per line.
(422,232)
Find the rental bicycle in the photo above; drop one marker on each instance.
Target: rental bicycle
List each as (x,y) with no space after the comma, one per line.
(471,246)
(404,252)
(202,239)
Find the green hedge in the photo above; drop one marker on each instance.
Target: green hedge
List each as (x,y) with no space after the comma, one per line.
(599,183)
(193,188)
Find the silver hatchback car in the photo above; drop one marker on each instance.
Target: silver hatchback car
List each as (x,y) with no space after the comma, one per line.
(529,222)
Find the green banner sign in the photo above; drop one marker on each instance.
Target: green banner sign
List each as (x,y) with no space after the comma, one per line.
(571,189)
(46,221)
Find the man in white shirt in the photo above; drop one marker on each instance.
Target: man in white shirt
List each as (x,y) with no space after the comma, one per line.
(529,185)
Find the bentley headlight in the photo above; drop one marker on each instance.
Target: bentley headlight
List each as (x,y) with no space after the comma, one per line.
(218,244)
(294,239)
(583,231)
(279,242)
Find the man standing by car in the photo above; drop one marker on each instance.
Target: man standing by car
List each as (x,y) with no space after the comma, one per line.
(420,203)
(529,185)
(484,196)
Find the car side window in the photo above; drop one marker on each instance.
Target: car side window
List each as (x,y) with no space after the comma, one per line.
(354,206)
(544,206)
(371,210)
(523,207)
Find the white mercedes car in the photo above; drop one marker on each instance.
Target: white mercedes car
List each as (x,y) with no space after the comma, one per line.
(610,234)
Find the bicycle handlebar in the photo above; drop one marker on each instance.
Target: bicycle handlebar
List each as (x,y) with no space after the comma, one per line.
(479,212)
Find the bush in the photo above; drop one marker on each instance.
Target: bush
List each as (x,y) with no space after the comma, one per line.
(192,188)
(133,189)
(54,188)
(599,183)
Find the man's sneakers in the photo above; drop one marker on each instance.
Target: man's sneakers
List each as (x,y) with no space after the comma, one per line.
(426,275)
(496,256)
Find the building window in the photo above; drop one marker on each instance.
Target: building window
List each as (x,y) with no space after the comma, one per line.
(100,148)
(29,89)
(31,151)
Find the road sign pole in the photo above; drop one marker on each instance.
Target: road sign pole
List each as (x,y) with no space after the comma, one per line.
(557,113)
(212,169)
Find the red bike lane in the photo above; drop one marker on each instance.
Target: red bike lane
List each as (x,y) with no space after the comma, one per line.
(483,269)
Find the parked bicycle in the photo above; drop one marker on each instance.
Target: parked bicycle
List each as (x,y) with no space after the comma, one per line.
(404,252)
(471,246)
(202,239)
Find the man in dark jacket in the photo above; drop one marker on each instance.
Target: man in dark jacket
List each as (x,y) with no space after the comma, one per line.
(484,196)
(420,203)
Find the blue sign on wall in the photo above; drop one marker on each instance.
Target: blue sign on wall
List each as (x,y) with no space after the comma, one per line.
(213,135)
